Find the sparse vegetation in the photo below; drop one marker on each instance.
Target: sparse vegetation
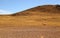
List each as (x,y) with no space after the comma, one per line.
(32,23)
(40,17)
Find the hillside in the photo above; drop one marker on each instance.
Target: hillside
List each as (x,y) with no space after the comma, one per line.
(38,9)
(45,15)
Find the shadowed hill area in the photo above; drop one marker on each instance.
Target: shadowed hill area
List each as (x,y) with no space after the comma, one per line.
(45,15)
(44,8)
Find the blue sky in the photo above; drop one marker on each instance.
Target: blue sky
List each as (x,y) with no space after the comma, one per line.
(13,6)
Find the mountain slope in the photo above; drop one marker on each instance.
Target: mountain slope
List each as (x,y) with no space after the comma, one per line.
(46,15)
(44,8)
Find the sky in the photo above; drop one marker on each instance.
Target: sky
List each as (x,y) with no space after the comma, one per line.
(13,6)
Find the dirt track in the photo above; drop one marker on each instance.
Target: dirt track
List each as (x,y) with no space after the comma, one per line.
(30,32)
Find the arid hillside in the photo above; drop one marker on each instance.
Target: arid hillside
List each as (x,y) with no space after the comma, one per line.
(45,15)
(37,22)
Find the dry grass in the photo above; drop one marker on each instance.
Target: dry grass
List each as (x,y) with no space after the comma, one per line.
(34,20)
(45,24)
(33,17)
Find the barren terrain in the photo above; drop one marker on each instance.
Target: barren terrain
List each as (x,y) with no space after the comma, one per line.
(38,22)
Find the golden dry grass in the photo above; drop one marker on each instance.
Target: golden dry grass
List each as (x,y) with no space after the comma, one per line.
(32,17)
(34,20)
(32,23)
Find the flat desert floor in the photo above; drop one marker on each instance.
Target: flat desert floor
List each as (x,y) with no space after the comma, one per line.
(30,32)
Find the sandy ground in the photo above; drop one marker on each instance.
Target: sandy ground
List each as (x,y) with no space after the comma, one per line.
(30,32)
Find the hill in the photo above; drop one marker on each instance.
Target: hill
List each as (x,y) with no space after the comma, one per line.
(44,8)
(45,15)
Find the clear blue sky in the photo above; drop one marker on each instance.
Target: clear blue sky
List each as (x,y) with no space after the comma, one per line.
(9,6)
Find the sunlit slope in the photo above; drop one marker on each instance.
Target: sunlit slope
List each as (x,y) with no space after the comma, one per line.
(33,17)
